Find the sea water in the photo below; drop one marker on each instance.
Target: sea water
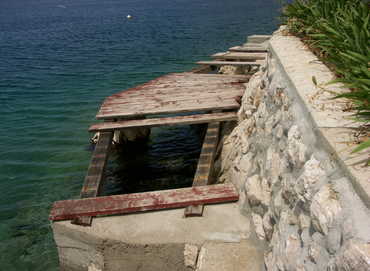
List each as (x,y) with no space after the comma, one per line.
(58,60)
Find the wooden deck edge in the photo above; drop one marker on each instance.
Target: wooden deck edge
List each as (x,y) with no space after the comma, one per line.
(239,55)
(167,111)
(167,121)
(140,202)
(250,49)
(232,63)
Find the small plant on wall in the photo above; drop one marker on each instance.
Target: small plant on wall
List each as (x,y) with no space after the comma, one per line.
(338,32)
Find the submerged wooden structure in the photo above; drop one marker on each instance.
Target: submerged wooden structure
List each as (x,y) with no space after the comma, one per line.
(173,99)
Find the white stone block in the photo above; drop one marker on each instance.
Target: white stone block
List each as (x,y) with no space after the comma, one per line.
(325,209)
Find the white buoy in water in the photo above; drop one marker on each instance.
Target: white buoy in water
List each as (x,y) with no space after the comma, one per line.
(129,16)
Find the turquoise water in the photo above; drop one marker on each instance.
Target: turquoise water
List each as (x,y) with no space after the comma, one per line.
(59,59)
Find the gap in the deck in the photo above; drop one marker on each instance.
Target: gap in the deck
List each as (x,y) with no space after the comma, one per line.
(168,160)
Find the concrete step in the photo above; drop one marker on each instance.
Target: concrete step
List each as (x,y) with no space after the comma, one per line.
(220,256)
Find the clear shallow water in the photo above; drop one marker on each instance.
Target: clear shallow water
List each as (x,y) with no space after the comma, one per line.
(58,60)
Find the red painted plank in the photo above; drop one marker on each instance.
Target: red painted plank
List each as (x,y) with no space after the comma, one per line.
(139,202)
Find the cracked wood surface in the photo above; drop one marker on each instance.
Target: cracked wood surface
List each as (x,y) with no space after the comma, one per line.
(176,93)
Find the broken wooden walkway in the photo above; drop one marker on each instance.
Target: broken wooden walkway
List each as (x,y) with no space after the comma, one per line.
(184,98)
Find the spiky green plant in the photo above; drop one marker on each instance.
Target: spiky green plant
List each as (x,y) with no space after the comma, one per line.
(338,31)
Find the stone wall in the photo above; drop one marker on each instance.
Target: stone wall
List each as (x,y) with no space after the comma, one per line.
(306,195)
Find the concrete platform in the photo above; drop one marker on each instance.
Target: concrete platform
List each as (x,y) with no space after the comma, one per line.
(149,241)
(218,256)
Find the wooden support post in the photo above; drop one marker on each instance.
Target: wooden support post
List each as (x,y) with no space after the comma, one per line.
(95,173)
(203,174)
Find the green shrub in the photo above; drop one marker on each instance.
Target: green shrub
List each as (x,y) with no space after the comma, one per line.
(338,31)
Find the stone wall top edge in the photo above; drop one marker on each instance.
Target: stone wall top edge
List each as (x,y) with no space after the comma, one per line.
(333,122)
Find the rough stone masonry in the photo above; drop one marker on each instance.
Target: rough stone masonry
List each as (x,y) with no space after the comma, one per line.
(304,204)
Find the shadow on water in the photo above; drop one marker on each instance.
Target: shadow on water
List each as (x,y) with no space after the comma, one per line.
(167,161)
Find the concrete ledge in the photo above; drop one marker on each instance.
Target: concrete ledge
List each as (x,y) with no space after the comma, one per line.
(152,240)
(334,124)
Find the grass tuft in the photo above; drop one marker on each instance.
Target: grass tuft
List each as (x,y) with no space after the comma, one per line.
(338,32)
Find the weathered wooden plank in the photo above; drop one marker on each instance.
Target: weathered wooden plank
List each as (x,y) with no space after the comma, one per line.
(175,87)
(178,96)
(192,119)
(172,78)
(205,165)
(153,104)
(184,78)
(207,155)
(249,49)
(200,76)
(175,93)
(239,56)
(233,63)
(121,105)
(253,44)
(140,202)
(258,38)
(168,109)
(95,173)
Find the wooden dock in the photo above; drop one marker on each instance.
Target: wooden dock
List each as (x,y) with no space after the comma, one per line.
(172,99)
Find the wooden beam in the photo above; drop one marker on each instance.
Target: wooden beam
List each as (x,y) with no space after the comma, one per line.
(258,38)
(250,49)
(95,173)
(233,63)
(149,98)
(239,56)
(180,88)
(140,202)
(168,121)
(206,158)
(168,109)
(205,165)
